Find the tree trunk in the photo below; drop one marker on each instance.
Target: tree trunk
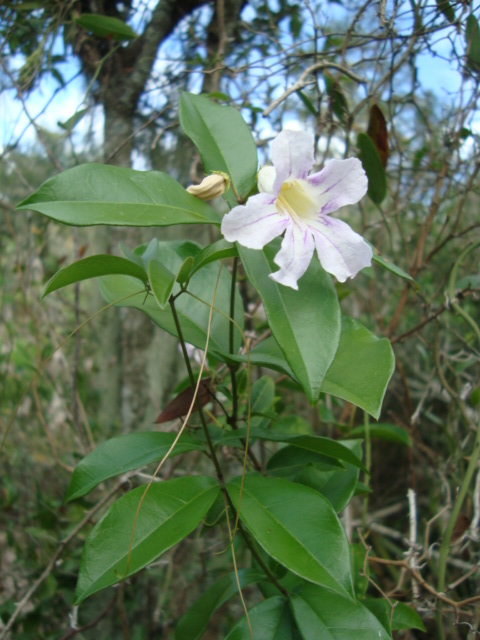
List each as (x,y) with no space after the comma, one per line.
(138,364)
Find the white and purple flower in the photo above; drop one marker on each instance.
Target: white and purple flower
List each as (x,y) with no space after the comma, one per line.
(299,204)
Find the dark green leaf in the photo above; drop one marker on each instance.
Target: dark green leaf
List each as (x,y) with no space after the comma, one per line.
(106,26)
(338,102)
(216,251)
(266,354)
(270,620)
(223,138)
(94,267)
(263,394)
(405,617)
(472,34)
(283,517)
(321,614)
(337,485)
(386,264)
(316,444)
(93,194)
(169,512)
(359,567)
(289,461)
(185,270)
(194,623)
(120,455)
(383,431)
(377,179)
(307,102)
(69,124)
(447,10)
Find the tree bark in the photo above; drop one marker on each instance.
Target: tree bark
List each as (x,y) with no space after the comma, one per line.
(128,358)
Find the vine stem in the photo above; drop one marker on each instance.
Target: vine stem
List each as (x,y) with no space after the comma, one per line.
(232,367)
(475,455)
(216,463)
(218,468)
(445,547)
(368,465)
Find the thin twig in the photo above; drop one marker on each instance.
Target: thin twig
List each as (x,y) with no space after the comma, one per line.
(51,563)
(303,82)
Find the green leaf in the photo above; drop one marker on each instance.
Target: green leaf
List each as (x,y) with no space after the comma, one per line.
(472,35)
(193,314)
(315,444)
(266,354)
(106,27)
(194,623)
(359,373)
(297,527)
(337,485)
(377,179)
(170,511)
(319,613)
(359,569)
(263,394)
(383,431)
(386,264)
(447,10)
(93,267)
(120,455)
(305,323)
(161,282)
(223,138)
(307,102)
(216,251)
(362,368)
(185,270)
(404,617)
(380,609)
(291,461)
(338,102)
(69,124)
(270,620)
(93,194)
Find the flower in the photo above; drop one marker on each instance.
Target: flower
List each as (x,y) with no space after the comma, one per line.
(299,204)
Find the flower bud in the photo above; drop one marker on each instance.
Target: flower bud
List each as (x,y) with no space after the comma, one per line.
(211,186)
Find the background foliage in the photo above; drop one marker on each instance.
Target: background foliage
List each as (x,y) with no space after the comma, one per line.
(331,68)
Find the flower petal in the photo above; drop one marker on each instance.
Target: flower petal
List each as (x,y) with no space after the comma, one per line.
(253,225)
(341,182)
(292,156)
(294,255)
(341,251)
(266,179)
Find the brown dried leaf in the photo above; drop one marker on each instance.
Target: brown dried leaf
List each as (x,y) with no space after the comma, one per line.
(377,131)
(461,525)
(180,405)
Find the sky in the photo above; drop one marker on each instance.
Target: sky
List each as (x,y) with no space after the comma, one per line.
(50,104)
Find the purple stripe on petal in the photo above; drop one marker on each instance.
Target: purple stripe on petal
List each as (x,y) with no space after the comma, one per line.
(341,251)
(339,183)
(255,224)
(294,255)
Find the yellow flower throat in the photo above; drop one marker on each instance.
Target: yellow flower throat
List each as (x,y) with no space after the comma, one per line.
(295,199)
